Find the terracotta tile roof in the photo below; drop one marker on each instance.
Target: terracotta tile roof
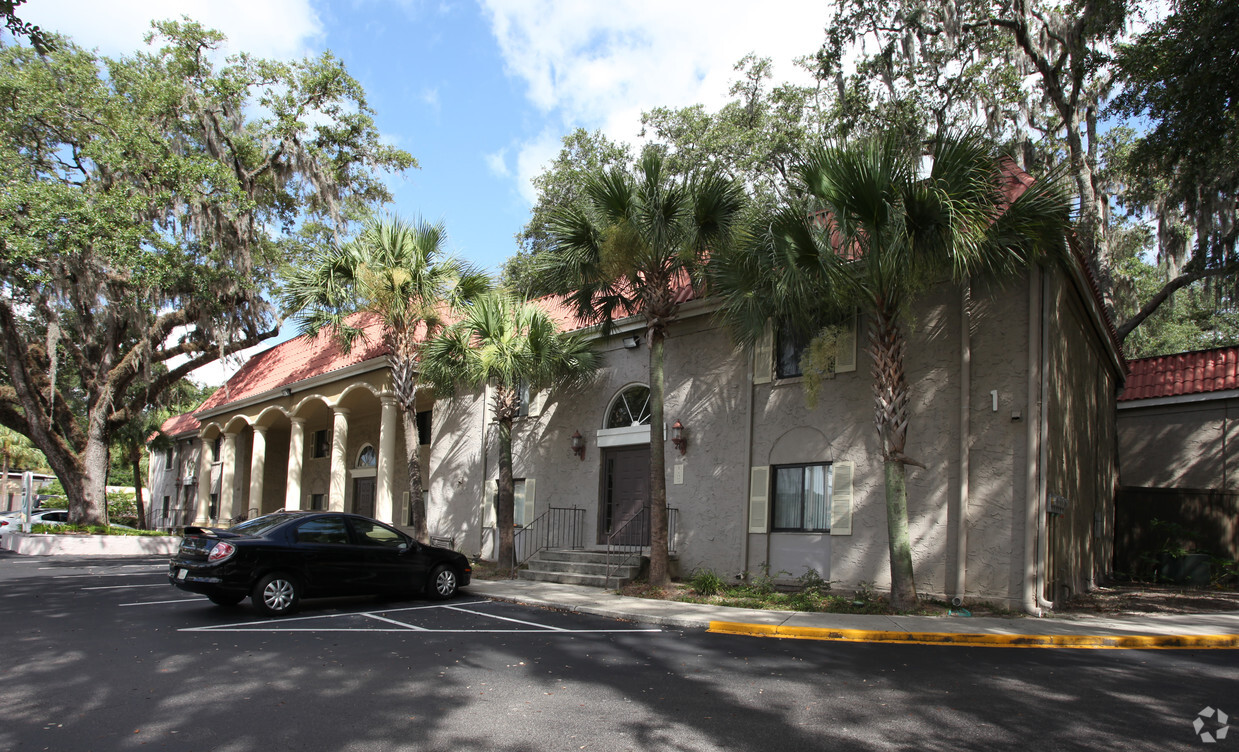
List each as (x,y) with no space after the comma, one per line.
(298,359)
(1182,373)
(180,424)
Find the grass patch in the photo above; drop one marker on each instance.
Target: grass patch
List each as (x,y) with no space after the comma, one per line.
(94,530)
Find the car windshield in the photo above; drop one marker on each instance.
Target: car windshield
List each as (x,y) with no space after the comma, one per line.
(259,525)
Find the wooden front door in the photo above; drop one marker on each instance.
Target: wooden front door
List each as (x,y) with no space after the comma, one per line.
(625,493)
(363,496)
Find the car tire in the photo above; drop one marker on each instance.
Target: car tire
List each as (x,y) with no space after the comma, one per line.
(229,599)
(277,594)
(443,583)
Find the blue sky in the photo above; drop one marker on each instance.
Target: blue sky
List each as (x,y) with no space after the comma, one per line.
(482,92)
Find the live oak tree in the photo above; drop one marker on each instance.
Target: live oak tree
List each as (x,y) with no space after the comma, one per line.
(145,204)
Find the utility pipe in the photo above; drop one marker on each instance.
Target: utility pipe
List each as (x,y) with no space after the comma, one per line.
(965,440)
(1043,443)
(1028,582)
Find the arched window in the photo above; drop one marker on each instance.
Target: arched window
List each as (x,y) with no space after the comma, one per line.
(630,408)
(367,458)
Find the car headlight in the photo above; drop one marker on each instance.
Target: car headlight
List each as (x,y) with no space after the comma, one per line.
(221,551)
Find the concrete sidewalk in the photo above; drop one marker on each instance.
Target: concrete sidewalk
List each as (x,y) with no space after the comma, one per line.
(1197,631)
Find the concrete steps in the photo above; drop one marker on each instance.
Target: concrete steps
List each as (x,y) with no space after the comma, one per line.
(582,567)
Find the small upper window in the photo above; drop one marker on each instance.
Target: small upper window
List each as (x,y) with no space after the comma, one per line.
(322,444)
(367,457)
(423,427)
(631,408)
(790,347)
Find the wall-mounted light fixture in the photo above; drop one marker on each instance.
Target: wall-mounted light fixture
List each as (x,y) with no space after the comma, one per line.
(632,342)
(677,436)
(578,445)
(286,392)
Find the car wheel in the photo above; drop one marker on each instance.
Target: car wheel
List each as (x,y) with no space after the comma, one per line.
(229,599)
(276,594)
(443,583)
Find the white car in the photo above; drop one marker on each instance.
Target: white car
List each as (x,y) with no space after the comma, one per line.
(12,521)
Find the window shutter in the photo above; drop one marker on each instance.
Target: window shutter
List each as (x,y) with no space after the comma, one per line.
(763,356)
(408,513)
(529,485)
(536,401)
(488,507)
(841,498)
(759,499)
(845,347)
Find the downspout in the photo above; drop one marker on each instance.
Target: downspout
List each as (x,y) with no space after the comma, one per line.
(1043,442)
(748,464)
(1028,582)
(965,441)
(485,481)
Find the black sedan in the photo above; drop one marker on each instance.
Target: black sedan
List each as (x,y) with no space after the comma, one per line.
(280,558)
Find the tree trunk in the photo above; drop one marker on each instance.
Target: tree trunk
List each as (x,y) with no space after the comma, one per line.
(413,451)
(137,491)
(890,392)
(88,497)
(660,575)
(505,513)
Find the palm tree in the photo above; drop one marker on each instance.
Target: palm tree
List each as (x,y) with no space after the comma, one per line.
(399,273)
(873,236)
(639,239)
(513,347)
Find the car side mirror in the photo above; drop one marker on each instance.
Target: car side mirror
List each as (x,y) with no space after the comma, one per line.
(403,547)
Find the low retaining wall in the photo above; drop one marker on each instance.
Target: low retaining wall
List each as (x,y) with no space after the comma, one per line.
(38,544)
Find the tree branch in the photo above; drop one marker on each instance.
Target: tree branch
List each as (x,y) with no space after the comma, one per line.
(1174,285)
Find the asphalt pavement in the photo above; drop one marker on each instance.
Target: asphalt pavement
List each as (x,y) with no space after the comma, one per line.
(1195,631)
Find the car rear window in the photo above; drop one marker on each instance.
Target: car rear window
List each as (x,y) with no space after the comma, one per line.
(259,525)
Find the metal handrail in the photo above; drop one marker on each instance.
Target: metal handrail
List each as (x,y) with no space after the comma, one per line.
(557,527)
(628,550)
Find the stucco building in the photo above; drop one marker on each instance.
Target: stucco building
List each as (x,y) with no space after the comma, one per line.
(1014,390)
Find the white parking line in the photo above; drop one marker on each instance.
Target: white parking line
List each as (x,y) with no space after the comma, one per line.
(124,587)
(122,574)
(504,618)
(393,621)
(156,603)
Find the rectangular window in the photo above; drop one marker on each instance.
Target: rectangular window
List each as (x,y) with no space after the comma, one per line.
(522,391)
(318,502)
(321,445)
(167,460)
(801,498)
(790,347)
(423,427)
(518,502)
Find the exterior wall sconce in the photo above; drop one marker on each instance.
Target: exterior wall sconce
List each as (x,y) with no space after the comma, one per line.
(631,342)
(578,445)
(677,436)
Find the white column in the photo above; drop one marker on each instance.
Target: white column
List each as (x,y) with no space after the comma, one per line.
(296,455)
(227,476)
(258,468)
(203,515)
(384,508)
(339,461)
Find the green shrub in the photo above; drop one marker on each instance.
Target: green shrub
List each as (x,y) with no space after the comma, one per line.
(706,583)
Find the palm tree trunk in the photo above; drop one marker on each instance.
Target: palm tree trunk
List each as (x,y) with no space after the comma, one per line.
(505,514)
(413,453)
(660,575)
(890,391)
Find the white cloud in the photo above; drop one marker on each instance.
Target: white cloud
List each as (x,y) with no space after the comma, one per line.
(280,29)
(600,66)
(497,163)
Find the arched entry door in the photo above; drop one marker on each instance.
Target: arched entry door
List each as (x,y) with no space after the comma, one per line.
(625,475)
(364,482)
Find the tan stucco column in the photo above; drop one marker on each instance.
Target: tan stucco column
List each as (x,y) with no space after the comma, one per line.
(296,455)
(384,485)
(339,460)
(258,468)
(202,516)
(227,476)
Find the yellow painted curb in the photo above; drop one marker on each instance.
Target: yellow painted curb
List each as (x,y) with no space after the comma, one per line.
(1093,642)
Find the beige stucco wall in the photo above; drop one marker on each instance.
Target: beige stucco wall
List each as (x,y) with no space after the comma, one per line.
(1189,444)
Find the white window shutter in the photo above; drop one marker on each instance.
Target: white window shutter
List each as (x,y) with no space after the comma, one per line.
(529,486)
(408,513)
(763,356)
(488,507)
(841,498)
(759,499)
(845,347)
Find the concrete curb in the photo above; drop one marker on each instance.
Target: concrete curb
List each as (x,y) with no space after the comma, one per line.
(1093,642)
